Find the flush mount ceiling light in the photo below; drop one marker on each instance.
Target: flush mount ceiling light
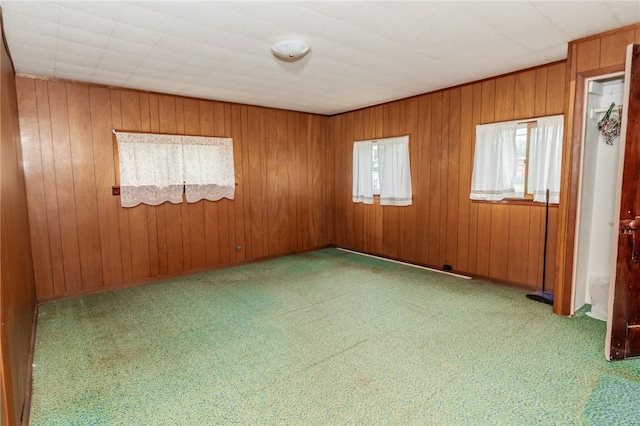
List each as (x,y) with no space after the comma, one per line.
(290,50)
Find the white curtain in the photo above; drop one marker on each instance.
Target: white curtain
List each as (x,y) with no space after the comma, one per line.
(156,168)
(494,164)
(545,159)
(209,170)
(151,170)
(362,172)
(395,171)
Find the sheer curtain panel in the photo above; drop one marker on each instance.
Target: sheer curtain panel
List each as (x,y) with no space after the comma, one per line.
(495,161)
(395,171)
(362,172)
(545,159)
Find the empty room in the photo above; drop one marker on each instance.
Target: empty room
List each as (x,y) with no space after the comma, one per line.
(319,212)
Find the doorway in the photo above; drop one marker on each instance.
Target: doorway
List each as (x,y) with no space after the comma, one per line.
(595,218)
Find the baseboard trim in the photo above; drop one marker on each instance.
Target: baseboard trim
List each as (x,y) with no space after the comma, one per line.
(26,408)
(150,280)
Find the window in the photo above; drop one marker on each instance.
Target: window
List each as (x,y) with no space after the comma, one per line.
(375,169)
(381,167)
(518,160)
(523,132)
(158,168)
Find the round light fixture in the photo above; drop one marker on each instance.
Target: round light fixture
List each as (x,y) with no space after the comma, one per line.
(290,50)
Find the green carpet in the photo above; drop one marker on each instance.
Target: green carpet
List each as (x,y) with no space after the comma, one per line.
(325,337)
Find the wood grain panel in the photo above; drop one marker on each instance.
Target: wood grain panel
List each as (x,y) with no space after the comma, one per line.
(17,288)
(596,55)
(588,55)
(525,92)
(83,170)
(555,89)
(505,98)
(499,241)
(64,180)
(36,196)
(464,178)
(71,148)
(410,213)
(518,243)
(540,108)
(139,233)
(473,237)
(50,186)
(123,215)
(108,217)
(422,169)
(443,166)
(453,175)
(435,202)
(614,47)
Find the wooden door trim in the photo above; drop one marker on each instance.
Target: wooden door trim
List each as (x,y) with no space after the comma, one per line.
(574,121)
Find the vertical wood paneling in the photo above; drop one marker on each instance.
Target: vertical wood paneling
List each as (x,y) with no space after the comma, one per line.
(195,218)
(588,55)
(123,214)
(223,222)
(443,166)
(599,54)
(614,47)
(138,231)
(59,113)
(50,186)
(525,91)
(453,171)
(17,289)
(464,178)
(32,153)
(555,89)
(410,214)
(422,169)
(435,158)
(443,226)
(86,240)
(85,195)
(108,216)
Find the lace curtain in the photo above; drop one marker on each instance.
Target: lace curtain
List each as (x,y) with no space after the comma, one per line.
(158,168)
(545,159)
(395,172)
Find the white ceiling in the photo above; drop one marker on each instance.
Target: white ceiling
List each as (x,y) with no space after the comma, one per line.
(362,52)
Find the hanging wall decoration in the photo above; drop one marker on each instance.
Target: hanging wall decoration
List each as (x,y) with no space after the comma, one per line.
(609,125)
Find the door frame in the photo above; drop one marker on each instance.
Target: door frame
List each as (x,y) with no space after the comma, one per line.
(570,186)
(578,214)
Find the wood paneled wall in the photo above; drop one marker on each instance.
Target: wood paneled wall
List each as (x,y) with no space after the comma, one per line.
(503,242)
(17,290)
(589,57)
(83,240)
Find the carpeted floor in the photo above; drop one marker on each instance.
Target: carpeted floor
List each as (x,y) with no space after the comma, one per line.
(325,337)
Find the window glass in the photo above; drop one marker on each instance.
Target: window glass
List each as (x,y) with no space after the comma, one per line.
(521,160)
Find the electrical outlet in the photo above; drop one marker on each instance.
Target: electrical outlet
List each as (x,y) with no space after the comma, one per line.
(238,248)
(447,267)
